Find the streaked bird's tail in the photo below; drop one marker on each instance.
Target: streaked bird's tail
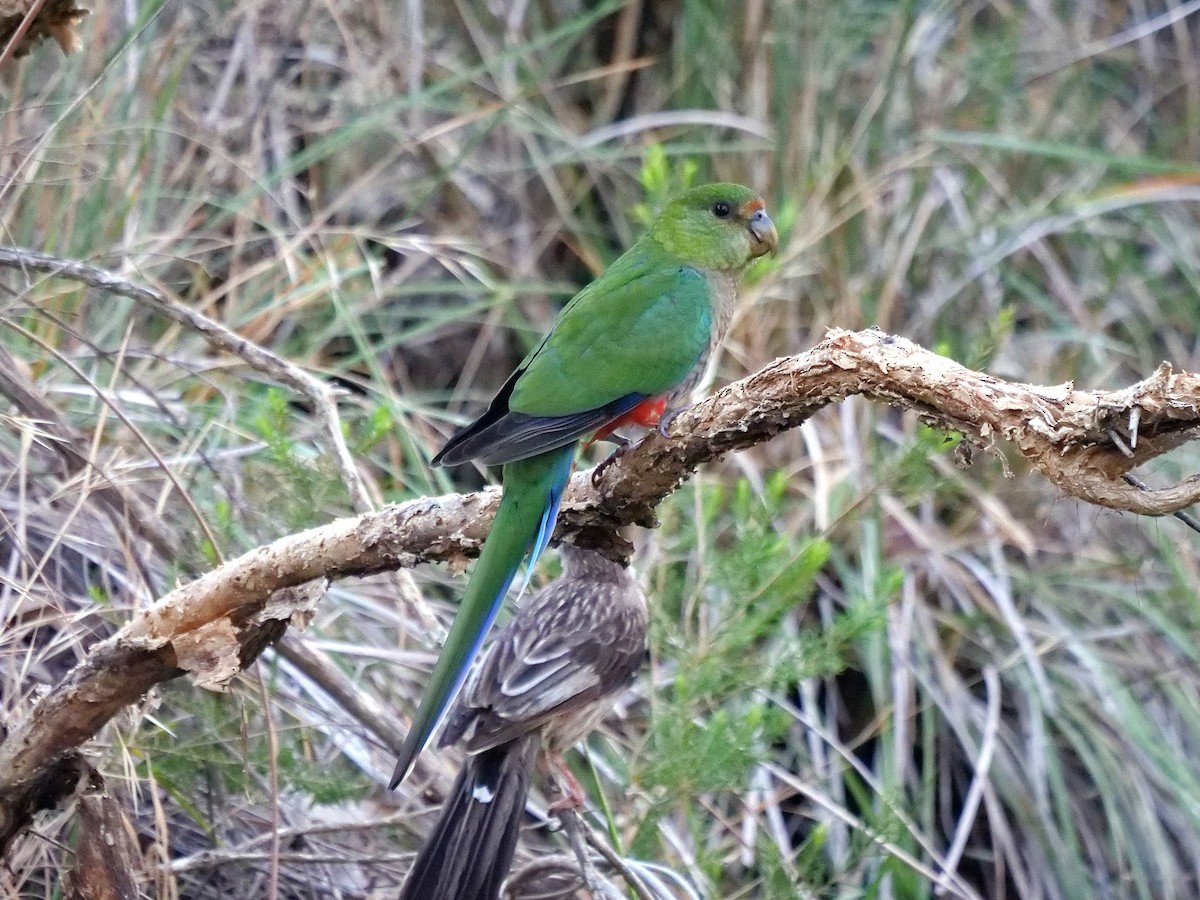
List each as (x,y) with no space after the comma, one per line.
(468,854)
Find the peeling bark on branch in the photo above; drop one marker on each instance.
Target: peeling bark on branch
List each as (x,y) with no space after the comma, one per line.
(1082,441)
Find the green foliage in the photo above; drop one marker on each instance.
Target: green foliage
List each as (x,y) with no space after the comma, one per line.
(730,651)
(234,767)
(297,482)
(713,753)
(661,181)
(376,429)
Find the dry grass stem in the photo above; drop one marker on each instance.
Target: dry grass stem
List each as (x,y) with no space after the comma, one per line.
(322,396)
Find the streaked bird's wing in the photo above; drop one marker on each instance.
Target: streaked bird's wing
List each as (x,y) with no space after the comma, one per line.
(573,645)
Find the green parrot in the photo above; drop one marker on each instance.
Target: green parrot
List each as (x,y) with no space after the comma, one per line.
(629,347)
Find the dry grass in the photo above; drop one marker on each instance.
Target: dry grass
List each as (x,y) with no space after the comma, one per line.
(953,671)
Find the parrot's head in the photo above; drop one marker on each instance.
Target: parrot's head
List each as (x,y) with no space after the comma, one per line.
(716,226)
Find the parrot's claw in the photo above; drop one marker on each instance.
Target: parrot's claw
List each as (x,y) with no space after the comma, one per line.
(669,416)
(598,472)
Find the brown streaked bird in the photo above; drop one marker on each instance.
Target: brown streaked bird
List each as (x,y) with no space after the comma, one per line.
(549,678)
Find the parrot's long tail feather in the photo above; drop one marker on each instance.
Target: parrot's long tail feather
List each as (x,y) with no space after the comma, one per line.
(545,526)
(524,522)
(469,851)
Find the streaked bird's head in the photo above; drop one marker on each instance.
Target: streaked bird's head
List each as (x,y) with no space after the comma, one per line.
(590,565)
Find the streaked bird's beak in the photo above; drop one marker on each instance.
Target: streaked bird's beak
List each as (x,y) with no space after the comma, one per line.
(762,233)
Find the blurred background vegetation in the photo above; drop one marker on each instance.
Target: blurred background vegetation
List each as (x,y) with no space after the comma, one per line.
(870,665)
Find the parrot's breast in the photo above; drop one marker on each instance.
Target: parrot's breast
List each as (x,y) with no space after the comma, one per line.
(725,299)
(723,288)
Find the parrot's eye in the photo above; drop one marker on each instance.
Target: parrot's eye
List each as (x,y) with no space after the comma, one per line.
(721,209)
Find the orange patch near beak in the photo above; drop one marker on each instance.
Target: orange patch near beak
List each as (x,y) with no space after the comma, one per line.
(750,207)
(761,228)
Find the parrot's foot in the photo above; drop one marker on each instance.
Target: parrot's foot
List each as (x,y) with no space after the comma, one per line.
(670,415)
(608,438)
(598,472)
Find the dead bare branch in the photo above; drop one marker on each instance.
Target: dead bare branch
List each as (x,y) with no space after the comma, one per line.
(1065,434)
(24,23)
(106,859)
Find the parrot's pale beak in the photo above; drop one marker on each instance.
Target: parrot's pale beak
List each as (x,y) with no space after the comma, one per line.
(763,237)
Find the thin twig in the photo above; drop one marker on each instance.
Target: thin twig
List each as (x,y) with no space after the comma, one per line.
(14,40)
(1181,514)
(184,495)
(322,396)
(54,432)
(613,858)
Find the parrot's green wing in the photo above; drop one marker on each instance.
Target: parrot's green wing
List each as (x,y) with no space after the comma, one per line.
(632,334)
(639,331)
